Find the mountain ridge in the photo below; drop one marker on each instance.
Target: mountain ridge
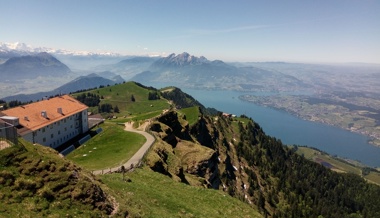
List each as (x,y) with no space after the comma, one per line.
(185,70)
(32,66)
(20,49)
(92,80)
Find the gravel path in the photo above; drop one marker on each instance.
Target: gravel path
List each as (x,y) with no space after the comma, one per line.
(136,158)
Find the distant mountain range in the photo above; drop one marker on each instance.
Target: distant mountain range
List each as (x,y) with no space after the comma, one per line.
(32,66)
(8,50)
(185,70)
(80,83)
(128,67)
(21,61)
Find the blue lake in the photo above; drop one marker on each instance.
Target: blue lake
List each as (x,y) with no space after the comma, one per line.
(291,129)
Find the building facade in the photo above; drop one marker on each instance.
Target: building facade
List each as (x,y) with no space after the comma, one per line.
(49,122)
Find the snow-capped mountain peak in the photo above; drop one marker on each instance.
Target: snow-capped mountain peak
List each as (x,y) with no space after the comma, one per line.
(24,49)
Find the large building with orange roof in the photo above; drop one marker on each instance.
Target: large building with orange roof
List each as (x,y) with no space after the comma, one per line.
(50,122)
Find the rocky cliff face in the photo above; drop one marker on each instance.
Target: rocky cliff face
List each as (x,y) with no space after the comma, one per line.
(180,155)
(197,155)
(236,156)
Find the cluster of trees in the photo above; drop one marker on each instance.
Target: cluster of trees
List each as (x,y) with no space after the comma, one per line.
(284,184)
(105,108)
(11,104)
(85,90)
(183,100)
(108,108)
(153,95)
(89,99)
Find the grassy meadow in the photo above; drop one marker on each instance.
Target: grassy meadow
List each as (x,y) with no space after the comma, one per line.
(148,195)
(110,148)
(121,96)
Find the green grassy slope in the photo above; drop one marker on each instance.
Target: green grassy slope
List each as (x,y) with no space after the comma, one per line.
(110,148)
(36,182)
(121,96)
(191,114)
(151,194)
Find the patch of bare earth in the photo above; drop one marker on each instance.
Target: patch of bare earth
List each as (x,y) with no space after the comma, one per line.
(4,144)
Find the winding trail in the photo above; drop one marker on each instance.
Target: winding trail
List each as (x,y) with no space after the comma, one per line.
(136,158)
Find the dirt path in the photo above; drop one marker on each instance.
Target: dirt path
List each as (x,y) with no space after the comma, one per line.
(136,158)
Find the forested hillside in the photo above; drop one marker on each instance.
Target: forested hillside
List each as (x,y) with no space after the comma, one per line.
(235,155)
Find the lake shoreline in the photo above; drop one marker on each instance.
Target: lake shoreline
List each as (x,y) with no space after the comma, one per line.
(373,140)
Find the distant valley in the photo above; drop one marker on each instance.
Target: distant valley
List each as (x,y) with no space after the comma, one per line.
(31,74)
(195,145)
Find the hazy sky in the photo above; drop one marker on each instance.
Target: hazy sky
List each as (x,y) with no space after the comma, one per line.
(297,31)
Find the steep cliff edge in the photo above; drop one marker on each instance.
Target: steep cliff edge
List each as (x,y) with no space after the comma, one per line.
(235,155)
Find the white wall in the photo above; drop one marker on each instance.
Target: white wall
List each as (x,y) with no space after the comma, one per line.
(59,132)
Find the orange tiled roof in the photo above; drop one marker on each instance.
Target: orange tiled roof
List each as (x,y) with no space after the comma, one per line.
(33,111)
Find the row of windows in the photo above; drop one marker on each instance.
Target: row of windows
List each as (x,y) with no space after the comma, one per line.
(59,122)
(59,132)
(63,139)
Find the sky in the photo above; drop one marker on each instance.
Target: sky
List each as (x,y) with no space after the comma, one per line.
(323,31)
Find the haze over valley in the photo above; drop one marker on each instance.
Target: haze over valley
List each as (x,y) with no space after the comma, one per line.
(190,109)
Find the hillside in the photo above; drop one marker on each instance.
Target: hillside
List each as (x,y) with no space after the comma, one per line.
(185,70)
(81,83)
(128,67)
(195,167)
(32,66)
(235,155)
(35,181)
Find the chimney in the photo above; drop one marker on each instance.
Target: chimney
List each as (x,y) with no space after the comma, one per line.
(26,118)
(59,110)
(44,114)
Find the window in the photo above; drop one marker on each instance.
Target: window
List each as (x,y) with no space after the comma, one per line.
(43,129)
(52,135)
(59,132)
(44,139)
